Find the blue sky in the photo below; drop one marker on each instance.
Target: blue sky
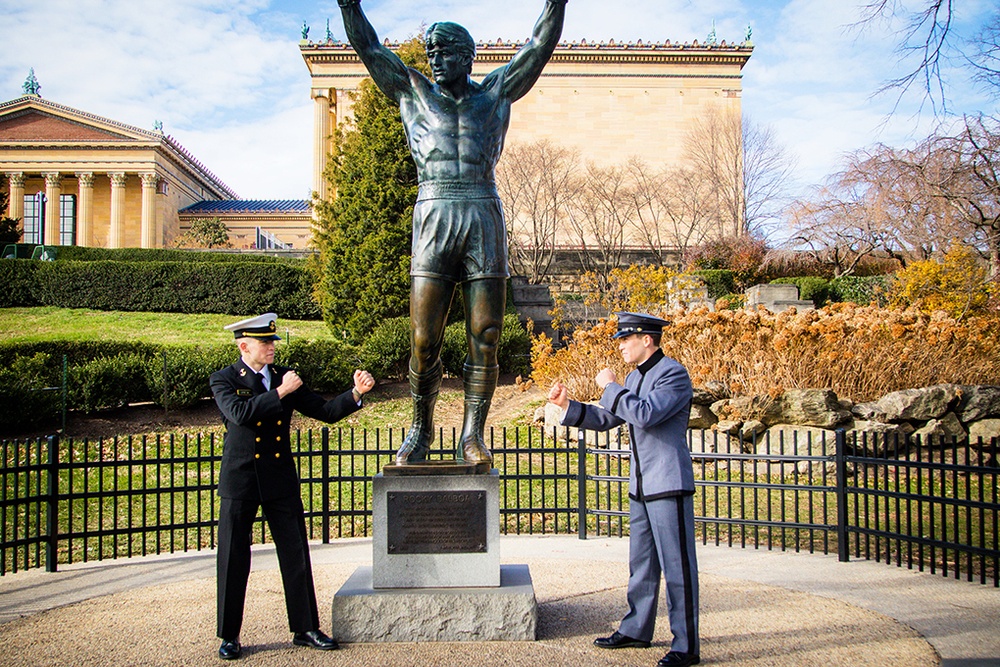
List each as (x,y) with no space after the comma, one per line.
(226,79)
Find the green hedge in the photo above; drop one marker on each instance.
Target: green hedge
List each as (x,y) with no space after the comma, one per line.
(863,290)
(83,254)
(233,288)
(110,374)
(18,277)
(27,390)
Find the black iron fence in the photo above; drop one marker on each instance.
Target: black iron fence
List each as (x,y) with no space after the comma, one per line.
(920,504)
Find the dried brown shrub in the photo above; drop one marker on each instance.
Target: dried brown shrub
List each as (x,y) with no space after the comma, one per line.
(860,352)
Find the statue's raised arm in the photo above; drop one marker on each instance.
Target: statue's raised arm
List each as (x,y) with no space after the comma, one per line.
(384,66)
(527,64)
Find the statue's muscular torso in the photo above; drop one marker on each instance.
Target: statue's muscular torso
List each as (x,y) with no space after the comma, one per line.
(455,140)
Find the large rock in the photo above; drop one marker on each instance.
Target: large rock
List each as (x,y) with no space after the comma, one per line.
(985,430)
(701,416)
(873,438)
(702,442)
(703,397)
(918,404)
(743,408)
(810,407)
(728,426)
(797,441)
(978,402)
(868,412)
(751,429)
(552,414)
(947,428)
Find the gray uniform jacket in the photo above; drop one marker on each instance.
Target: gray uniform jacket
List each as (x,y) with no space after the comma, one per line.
(655,403)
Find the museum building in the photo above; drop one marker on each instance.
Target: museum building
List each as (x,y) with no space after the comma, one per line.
(75,178)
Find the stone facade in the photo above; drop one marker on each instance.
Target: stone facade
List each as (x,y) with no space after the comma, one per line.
(609,101)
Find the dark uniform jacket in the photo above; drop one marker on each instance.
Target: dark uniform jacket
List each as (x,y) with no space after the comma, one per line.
(257,456)
(655,402)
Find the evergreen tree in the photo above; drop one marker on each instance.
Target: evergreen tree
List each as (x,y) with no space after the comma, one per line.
(363,235)
(9,227)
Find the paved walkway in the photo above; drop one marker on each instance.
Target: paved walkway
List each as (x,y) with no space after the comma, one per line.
(758,608)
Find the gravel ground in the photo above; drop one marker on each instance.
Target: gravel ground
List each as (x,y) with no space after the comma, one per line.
(742,623)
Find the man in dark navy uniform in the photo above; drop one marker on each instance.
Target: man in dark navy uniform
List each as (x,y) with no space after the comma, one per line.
(655,403)
(256,399)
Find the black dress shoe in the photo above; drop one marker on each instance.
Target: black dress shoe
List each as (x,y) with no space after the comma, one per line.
(315,639)
(618,640)
(678,659)
(230,649)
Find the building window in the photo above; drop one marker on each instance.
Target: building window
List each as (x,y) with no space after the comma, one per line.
(34,218)
(67,220)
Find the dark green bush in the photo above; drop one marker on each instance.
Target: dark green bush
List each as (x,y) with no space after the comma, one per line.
(385,352)
(719,282)
(325,365)
(18,279)
(108,382)
(862,290)
(455,348)
(27,394)
(513,351)
(178,376)
(811,288)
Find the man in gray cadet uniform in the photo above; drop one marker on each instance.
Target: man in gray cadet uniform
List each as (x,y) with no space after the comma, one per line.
(655,402)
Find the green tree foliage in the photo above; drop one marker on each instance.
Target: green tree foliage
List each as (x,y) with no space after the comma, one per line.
(363,235)
(9,232)
(205,233)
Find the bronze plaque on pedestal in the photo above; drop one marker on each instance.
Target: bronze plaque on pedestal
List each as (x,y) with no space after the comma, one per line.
(436,522)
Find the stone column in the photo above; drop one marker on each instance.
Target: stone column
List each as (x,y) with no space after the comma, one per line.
(15,208)
(148,234)
(84,207)
(322,128)
(116,238)
(53,188)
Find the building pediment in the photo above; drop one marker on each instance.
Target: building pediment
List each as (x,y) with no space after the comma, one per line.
(33,119)
(34,125)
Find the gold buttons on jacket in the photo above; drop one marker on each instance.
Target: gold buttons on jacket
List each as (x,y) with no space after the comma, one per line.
(277,455)
(258,423)
(279,422)
(278,439)
(258,438)
(256,456)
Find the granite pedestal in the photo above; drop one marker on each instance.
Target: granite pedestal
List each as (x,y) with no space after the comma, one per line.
(436,573)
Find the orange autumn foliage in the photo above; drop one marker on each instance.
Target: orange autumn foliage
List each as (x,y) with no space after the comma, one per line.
(860,352)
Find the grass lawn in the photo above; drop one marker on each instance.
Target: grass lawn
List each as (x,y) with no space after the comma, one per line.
(78,324)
